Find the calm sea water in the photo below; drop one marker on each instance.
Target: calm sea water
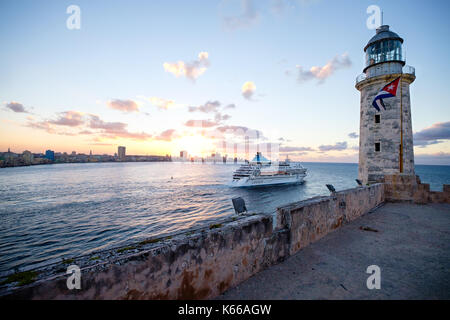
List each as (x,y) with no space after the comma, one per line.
(59,211)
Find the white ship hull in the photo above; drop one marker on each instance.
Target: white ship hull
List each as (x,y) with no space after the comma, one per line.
(268,180)
(262,172)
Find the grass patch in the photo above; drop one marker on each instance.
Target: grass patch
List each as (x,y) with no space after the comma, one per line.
(22,278)
(149,241)
(94,258)
(169,237)
(68,261)
(125,249)
(215,226)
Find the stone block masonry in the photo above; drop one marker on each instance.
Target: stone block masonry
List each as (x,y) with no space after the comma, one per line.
(403,187)
(309,220)
(205,263)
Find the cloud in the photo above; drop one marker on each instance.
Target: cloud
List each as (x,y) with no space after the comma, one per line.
(209,106)
(218,117)
(123,105)
(230,106)
(69,119)
(284,155)
(166,135)
(191,70)
(323,73)
(247,18)
(101,144)
(353,135)
(241,132)
(96,123)
(41,125)
(278,6)
(16,107)
(433,134)
(439,158)
(137,136)
(114,130)
(87,124)
(339,146)
(162,103)
(248,89)
(295,149)
(233,129)
(200,123)
(423,144)
(213,107)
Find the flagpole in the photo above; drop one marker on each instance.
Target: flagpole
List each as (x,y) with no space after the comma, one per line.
(401,126)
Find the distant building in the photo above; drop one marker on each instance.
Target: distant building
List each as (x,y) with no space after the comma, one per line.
(27,157)
(121,153)
(50,155)
(183,154)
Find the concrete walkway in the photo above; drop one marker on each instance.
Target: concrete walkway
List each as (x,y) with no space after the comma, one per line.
(412,248)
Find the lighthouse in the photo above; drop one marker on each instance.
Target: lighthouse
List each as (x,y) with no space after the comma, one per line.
(385,140)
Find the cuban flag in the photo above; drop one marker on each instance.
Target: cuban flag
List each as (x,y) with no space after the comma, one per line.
(388,91)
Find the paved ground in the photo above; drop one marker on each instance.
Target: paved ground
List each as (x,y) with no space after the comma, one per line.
(412,248)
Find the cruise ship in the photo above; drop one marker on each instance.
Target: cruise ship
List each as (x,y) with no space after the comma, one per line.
(262,172)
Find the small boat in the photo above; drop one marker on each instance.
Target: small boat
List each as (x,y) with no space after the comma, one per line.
(262,172)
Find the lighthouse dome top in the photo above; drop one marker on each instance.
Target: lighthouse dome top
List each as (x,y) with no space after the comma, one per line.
(384,47)
(383,34)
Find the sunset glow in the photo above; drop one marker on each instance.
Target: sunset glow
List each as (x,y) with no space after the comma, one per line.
(157,92)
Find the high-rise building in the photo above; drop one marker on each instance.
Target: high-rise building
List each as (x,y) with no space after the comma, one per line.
(183,154)
(121,153)
(385,140)
(50,155)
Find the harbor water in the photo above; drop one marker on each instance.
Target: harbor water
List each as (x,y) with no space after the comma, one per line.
(51,212)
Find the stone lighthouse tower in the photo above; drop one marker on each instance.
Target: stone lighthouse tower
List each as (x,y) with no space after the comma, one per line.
(385,140)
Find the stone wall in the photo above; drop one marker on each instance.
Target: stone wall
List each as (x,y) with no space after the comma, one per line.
(308,221)
(402,187)
(204,263)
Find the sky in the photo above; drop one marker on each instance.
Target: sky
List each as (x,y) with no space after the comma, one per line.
(163,76)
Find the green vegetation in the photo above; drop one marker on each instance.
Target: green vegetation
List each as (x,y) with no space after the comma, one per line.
(22,278)
(148,241)
(125,249)
(215,226)
(94,258)
(68,261)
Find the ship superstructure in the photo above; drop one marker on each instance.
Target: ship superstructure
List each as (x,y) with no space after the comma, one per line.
(262,172)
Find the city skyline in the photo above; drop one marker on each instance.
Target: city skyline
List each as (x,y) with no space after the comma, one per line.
(269,69)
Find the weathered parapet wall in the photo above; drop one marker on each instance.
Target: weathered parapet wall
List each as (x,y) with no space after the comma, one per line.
(310,220)
(401,187)
(206,263)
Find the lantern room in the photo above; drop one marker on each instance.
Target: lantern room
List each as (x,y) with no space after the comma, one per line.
(385,46)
